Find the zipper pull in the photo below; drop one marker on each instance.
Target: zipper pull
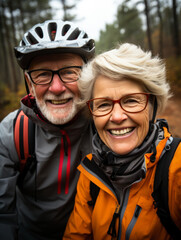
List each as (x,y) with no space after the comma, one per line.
(137,211)
(112,227)
(65,143)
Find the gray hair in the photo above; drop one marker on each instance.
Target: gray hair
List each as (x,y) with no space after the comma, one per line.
(128,61)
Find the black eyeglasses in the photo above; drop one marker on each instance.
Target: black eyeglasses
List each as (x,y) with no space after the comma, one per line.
(45,76)
(131,103)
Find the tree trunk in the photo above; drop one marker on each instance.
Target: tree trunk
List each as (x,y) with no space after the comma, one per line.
(15,43)
(6,74)
(148,25)
(161,29)
(12,23)
(21,15)
(14,79)
(175,28)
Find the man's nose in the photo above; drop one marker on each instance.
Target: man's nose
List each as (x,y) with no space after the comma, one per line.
(57,86)
(118,114)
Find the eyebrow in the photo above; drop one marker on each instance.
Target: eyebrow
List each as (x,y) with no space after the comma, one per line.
(108,97)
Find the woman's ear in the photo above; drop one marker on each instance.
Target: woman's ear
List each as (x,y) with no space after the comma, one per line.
(150,106)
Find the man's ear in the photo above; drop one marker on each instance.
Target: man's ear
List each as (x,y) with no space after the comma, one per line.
(29,83)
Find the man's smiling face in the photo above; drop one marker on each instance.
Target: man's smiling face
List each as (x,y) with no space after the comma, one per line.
(56,100)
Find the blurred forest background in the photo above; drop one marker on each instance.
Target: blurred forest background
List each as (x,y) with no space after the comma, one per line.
(153,24)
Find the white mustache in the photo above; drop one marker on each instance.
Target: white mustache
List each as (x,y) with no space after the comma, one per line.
(50,96)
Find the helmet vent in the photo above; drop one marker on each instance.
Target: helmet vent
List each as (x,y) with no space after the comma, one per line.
(85,35)
(52,29)
(31,39)
(39,31)
(74,35)
(23,43)
(91,44)
(65,29)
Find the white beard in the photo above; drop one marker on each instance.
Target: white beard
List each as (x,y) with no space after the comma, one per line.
(49,114)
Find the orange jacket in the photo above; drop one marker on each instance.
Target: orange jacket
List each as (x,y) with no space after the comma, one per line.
(138,218)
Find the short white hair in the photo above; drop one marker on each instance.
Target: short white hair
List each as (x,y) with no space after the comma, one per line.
(128,61)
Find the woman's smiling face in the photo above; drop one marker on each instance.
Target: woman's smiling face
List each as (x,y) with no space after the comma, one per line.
(120,131)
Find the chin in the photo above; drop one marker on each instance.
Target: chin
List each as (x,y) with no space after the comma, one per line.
(123,150)
(60,119)
(59,116)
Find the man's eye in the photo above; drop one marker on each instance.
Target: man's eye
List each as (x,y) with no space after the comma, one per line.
(44,74)
(40,74)
(69,72)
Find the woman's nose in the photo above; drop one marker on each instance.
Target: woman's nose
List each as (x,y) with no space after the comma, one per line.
(57,86)
(118,114)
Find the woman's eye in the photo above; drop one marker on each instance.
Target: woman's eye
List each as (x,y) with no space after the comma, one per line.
(104,105)
(131,101)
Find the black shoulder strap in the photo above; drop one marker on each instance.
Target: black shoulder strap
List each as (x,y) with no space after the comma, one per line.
(24,137)
(160,193)
(94,191)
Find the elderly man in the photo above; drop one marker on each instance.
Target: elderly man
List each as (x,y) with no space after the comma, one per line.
(37,205)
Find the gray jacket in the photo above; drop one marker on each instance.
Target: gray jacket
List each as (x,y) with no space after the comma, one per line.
(58,150)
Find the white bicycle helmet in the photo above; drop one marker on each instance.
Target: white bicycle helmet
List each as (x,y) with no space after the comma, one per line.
(53,36)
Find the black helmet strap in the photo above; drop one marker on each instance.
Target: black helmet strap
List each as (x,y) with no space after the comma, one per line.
(155,107)
(151,122)
(26,84)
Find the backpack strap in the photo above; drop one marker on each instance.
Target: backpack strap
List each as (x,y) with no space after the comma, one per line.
(24,137)
(94,191)
(160,193)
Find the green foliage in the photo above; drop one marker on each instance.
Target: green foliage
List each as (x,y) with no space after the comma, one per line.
(9,100)
(108,38)
(126,28)
(67,16)
(130,24)
(39,9)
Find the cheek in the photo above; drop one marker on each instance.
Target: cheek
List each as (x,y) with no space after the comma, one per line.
(74,89)
(143,125)
(40,91)
(100,123)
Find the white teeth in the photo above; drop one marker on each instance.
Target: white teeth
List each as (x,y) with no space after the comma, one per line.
(56,102)
(121,132)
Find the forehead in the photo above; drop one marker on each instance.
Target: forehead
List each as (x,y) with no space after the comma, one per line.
(107,87)
(59,60)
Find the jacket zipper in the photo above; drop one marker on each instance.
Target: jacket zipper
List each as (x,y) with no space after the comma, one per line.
(133,221)
(64,138)
(123,208)
(68,165)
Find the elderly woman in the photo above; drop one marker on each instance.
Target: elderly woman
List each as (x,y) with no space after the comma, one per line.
(125,88)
